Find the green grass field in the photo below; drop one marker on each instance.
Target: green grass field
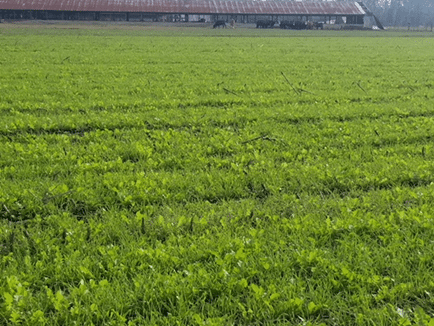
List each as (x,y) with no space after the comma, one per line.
(190,176)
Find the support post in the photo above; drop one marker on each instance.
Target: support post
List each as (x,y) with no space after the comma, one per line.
(128,17)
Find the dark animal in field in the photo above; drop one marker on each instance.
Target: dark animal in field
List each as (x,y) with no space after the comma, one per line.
(287,25)
(318,25)
(293,25)
(265,24)
(260,24)
(271,24)
(219,23)
(314,25)
(300,25)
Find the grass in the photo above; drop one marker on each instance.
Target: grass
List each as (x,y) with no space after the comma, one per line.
(160,176)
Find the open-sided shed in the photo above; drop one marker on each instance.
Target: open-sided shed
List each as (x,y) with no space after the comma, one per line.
(241,11)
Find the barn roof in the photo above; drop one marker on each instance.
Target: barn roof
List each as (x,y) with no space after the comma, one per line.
(191,6)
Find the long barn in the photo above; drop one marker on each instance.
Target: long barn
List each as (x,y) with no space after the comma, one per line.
(351,13)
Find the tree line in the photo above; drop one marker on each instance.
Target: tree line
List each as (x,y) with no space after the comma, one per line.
(412,13)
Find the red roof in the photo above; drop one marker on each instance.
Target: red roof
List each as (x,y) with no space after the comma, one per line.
(191,6)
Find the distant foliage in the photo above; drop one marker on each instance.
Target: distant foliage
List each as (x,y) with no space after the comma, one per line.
(403,12)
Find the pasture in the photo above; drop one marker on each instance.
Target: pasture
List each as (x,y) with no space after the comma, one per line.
(152,175)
